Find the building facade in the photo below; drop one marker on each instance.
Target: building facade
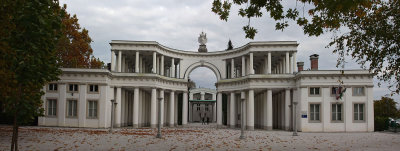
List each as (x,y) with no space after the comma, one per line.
(202,104)
(262,77)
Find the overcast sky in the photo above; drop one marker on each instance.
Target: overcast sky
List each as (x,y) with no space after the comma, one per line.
(177,24)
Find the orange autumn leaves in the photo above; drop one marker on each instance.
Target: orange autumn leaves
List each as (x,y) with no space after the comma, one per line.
(73,48)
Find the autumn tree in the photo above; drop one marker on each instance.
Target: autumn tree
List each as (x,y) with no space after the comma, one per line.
(29,31)
(74,50)
(366,30)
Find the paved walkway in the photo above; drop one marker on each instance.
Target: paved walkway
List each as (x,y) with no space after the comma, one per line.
(194,137)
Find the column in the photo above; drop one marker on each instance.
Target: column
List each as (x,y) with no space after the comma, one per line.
(269,109)
(153,112)
(287,62)
(162,106)
(219,109)
(141,64)
(243,66)
(250,111)
(135,116)
(171,108)
(82,105)
(291,65)
(287,109)
(117,111)
(162,65)
(154,70)
(112,60)
(294,62)
(173,67)
(214,112)
(123,64)
(119,60)
(232,68)
(251,64)
(202,95)
(61,103)
(232,111)
(269,63)
(184,109)
(137,62)
(265,65)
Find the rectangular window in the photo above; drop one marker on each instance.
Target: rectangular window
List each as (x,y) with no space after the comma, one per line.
(52,87)
(51,107)
(314,91)
(198,107)
(73,88)
(334,90)
(72,108)
(358,112)
(358,91)
(315,112)
(336,112)
(93,88)
(92,109)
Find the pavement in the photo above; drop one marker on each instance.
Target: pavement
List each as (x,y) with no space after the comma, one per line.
(193,137)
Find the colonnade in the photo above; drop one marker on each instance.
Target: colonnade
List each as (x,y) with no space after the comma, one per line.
(263,110)
(138,63)
(284,64)
(134,109)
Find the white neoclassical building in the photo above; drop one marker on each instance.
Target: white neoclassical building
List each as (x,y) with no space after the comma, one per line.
(263,77)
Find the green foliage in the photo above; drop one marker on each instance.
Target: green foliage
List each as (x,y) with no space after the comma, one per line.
(381,123)
(370,29)
(29,31)
(386,107)
(383,109)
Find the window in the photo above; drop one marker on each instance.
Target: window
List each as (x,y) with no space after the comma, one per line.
(93,88)
(334,90)
(72,108)
(314,112)
(51,107)
(336,112)
(314,91)
(198,107)
(358,112)
(73,88)
(52,87)
(358,91)
(92,109)
(206,108)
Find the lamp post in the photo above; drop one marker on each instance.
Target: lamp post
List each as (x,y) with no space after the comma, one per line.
(113,104)
(159,118)
(294,119)
(242,120)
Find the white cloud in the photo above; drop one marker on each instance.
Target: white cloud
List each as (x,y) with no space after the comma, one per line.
(177,23)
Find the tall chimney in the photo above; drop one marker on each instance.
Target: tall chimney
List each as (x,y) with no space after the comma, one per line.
(314,61)
(300,66)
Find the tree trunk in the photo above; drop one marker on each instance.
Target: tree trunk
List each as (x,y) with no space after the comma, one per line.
(15,134)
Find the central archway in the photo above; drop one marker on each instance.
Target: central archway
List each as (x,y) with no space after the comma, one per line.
(202,64)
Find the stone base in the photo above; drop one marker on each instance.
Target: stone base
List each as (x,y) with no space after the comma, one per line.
(117,125)
(171,125)
(135,126)
(153,125)
(268,128)
(250,128)
(232,126)
(219,126)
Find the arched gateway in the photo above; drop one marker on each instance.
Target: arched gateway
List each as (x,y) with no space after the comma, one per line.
(262,74)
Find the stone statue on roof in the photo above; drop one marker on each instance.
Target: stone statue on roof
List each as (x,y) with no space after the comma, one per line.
(202,40)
